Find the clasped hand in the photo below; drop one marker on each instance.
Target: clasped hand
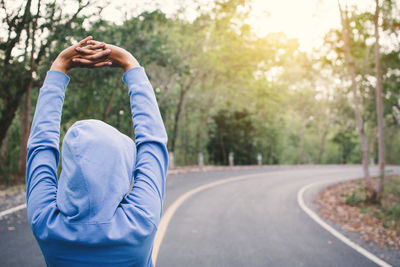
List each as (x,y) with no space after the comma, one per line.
(89,53)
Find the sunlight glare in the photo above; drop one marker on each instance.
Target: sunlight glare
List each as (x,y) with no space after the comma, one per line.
(306,20)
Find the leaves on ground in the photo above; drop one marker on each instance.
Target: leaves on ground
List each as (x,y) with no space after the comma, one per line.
(344,204)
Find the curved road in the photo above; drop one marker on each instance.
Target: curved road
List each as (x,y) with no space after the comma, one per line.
(254,221)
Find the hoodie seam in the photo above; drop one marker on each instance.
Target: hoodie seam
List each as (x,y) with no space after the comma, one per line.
(77,157)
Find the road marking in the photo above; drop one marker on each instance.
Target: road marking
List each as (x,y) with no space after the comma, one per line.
(12,210)
(169,213)
(331,230)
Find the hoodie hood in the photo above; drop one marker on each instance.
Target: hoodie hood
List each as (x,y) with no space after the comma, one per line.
(98,163)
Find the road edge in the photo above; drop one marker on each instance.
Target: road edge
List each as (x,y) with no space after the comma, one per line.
(12,210)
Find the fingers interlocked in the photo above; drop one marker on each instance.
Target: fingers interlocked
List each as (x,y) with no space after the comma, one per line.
(91,53)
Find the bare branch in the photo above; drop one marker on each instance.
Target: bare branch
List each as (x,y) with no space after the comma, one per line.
(34,28)
(51,38)
(18,29)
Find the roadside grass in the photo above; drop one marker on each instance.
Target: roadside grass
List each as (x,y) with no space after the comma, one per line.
(346,204)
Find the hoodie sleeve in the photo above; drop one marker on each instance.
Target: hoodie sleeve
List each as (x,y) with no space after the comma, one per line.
(151,139)
(43,145)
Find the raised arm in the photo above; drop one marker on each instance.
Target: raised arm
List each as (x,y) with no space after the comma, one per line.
(151,140)
(43,143)
(147,193)
(43,152)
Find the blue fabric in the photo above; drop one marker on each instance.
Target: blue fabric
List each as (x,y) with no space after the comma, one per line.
(89,217)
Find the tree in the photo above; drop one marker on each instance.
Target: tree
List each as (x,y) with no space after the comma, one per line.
(379,105)
(25,107)
(351,68)
(11,87)
(23,29)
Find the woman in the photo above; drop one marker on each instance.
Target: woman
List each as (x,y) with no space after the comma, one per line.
(106,206)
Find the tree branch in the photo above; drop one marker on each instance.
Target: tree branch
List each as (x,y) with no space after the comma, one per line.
(51,38)
(18,29)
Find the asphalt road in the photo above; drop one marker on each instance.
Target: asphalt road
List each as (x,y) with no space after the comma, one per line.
(251,222)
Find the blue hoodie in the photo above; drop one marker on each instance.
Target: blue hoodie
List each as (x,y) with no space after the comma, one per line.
(106,206)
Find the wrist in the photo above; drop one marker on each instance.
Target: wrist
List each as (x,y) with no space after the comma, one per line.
(59,65)
(130,63)
(130,66)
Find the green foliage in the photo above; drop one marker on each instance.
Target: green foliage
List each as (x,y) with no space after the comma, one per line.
(213,77)
(232,132)
(391,197)
(392,212)
(347,143)
(357,196)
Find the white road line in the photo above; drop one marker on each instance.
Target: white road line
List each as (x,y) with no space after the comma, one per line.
(169,213)
(12,210)
(331,230)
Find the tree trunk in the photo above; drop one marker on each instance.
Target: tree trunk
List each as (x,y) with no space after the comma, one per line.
(177,117)
(379,106)
(269,155)
(108,106)
(372,145)
(185,138)
(198,137)
(350,65)
(25,128)
(205,113)
(322,146)
(3,153)
(184,90)
(11,104)
(301,143)
(222,147)
(26,108)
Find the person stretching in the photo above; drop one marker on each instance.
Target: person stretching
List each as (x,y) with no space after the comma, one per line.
(105,207)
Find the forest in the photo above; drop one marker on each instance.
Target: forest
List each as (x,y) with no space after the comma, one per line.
(221,88)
